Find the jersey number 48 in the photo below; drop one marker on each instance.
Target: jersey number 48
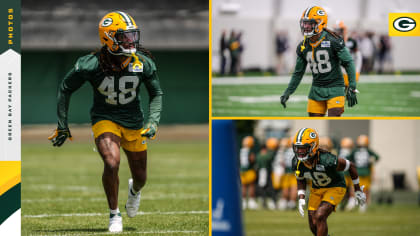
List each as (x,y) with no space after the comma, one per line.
(123,94)
(322,63)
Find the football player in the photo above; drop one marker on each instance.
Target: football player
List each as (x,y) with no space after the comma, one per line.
(328,184)
(341,29)
(324,51)
(116,73)
(264,166)
(346,147)
(248,173)
(364,158)
(288,180)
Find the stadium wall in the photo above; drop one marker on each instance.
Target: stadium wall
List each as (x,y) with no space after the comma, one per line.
(183,76)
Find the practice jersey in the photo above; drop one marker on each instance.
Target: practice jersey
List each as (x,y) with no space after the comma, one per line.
(324,58)
(287,160)
(363,158)
(115,96)
(324,174)
(244,159)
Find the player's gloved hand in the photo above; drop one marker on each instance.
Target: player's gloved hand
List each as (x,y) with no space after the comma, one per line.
(360,196)
(59,136)
(302,203)
(351,96)
(284,98)
(149,130)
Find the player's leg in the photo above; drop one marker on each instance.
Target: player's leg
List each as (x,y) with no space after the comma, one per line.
(316,108)
(312,223)
(107,139)
(320,216)
(108,145)
(335,106)
(137,162)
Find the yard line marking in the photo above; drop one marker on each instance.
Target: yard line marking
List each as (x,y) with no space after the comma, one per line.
(131,232)
(147,197)
(308,79)
(105,214)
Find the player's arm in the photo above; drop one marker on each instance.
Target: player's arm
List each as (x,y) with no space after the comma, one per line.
(301,186)
(348,64)
(71,82)
(346,165)
(155,105)
(300,68)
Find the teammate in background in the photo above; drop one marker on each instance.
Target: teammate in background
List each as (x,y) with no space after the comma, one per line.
(364,158)
(116,73)
(324,51)
(328,184)
(278,168)
(288,180)
(248,173)
(346,147)
(351,44)
(327,144)
(264,166)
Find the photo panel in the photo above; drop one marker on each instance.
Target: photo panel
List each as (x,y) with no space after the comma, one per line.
(270,176)
(265,63)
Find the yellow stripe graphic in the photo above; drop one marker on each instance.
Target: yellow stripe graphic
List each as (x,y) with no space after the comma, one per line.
(10,175)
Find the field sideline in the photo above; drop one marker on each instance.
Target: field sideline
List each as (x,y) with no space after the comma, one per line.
(62,191)
(386,95)
(378,220)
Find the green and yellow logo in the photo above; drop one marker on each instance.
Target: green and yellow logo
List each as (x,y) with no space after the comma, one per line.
(404,24)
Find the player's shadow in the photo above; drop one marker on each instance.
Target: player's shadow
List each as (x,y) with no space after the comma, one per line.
(81,230)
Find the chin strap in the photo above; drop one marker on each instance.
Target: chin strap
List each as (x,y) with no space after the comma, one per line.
(302,47)
(137,65)
(297,169)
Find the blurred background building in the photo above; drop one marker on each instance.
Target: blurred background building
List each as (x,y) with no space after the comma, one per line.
(56,33)
(366,20)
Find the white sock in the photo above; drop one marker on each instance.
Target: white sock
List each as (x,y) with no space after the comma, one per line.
(114,212)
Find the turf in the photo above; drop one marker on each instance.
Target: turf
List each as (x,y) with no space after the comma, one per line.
(378,220)
(256,100)
(67,180)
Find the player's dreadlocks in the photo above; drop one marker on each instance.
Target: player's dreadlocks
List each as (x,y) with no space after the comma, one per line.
(333,33)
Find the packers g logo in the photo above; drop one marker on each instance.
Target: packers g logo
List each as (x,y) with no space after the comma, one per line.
(320,12)
(312,135)
(404,24)
(107,22)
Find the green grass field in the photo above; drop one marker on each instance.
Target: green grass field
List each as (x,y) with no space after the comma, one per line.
(378,220)
(62,191)
(390,96)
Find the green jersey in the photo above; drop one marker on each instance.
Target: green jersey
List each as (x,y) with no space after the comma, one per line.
(324,58)
(115,95)
(244,159)
(324,174)
(363,158)
(265,160)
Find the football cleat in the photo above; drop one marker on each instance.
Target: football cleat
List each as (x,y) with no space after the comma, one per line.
(133,201)
(115,223)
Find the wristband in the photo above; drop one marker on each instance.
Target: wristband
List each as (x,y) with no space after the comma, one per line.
(301,192)
(347,165)
(356,181)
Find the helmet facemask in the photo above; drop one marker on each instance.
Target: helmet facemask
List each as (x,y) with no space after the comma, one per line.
(126,42)
(303,151)
(309,27)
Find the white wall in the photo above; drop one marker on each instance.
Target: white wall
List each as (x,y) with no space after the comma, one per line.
(256,19)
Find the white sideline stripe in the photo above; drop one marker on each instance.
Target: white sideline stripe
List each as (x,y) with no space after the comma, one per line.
(148,197)
(308,79)
(138,232)
(103,214)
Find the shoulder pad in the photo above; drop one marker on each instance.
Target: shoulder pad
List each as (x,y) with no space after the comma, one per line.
(87,63)
(148,64)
